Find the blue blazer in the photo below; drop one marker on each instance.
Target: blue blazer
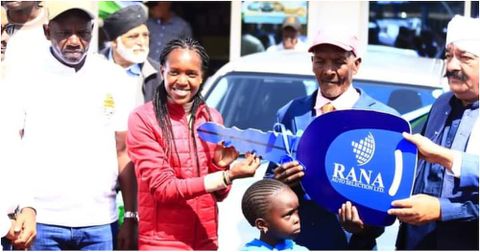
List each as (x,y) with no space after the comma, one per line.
(458,227)
(320,228)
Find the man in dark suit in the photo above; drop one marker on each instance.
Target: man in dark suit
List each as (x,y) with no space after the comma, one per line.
(335,61)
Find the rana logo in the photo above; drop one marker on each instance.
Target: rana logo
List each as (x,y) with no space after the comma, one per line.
(363,177)
(364,149)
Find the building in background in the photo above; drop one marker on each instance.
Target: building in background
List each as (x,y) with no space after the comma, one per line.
(418,26)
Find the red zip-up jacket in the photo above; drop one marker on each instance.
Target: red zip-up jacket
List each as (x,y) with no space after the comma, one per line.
(174,208)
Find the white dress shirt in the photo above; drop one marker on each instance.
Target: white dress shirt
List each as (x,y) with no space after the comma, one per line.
(344,101)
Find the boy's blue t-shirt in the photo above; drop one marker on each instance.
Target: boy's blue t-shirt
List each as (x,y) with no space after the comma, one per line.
(287,244)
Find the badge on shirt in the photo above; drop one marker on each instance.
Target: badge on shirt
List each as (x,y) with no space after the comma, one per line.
(108,106)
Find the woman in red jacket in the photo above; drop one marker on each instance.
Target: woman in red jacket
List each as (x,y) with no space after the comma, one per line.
(180,178)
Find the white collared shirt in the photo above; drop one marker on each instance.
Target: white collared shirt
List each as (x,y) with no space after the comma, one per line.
(344,101)
(25,45)
(11,190)
(69,147)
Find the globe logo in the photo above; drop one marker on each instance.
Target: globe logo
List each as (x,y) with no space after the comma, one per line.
(364,149)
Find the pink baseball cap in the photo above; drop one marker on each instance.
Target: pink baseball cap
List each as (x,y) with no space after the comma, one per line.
(340,37)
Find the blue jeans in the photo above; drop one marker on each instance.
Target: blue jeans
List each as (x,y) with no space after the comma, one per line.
(51,237)
(6,244)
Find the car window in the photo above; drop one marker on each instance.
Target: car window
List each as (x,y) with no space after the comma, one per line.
(403,98)
(252,100)
(418,123)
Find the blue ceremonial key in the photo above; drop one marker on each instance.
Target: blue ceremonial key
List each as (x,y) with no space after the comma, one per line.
(348,155)
(271,146)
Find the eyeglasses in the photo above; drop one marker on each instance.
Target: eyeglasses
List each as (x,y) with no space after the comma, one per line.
(9,28)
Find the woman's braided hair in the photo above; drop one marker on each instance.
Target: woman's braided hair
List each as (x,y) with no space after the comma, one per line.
(161,97)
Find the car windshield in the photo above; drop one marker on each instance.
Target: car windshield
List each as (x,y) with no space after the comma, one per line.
(248,100)
(251,100)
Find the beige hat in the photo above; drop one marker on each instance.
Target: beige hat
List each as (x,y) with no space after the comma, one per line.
(55,8)
(464,33)
(4,16)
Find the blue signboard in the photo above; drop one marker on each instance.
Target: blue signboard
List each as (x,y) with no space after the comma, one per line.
(358,156)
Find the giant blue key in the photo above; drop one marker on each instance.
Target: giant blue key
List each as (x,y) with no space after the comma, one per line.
(271,146)
(348,155)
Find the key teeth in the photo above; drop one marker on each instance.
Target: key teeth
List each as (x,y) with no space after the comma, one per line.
(256,130)
(250,130)
(244,140)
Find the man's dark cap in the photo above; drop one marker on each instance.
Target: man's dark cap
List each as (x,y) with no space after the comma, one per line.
(123,20)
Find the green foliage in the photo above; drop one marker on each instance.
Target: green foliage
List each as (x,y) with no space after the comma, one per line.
(106,8)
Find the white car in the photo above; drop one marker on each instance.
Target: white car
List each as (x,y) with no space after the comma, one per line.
(250,90)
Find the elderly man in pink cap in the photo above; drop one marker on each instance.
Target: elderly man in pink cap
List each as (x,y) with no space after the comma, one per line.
(442,214)
(335,60)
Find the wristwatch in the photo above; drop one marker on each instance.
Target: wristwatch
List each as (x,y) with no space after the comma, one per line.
(130,215)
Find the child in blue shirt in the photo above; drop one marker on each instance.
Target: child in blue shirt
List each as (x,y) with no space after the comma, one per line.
(272,207)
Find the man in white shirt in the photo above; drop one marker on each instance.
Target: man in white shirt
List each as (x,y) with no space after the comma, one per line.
(17,226)
(26,20)
(75,110)
(290,37)
(17,217)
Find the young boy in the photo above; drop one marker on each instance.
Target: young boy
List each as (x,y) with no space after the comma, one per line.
(272,207)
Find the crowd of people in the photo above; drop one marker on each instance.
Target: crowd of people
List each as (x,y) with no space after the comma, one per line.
(78,127)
